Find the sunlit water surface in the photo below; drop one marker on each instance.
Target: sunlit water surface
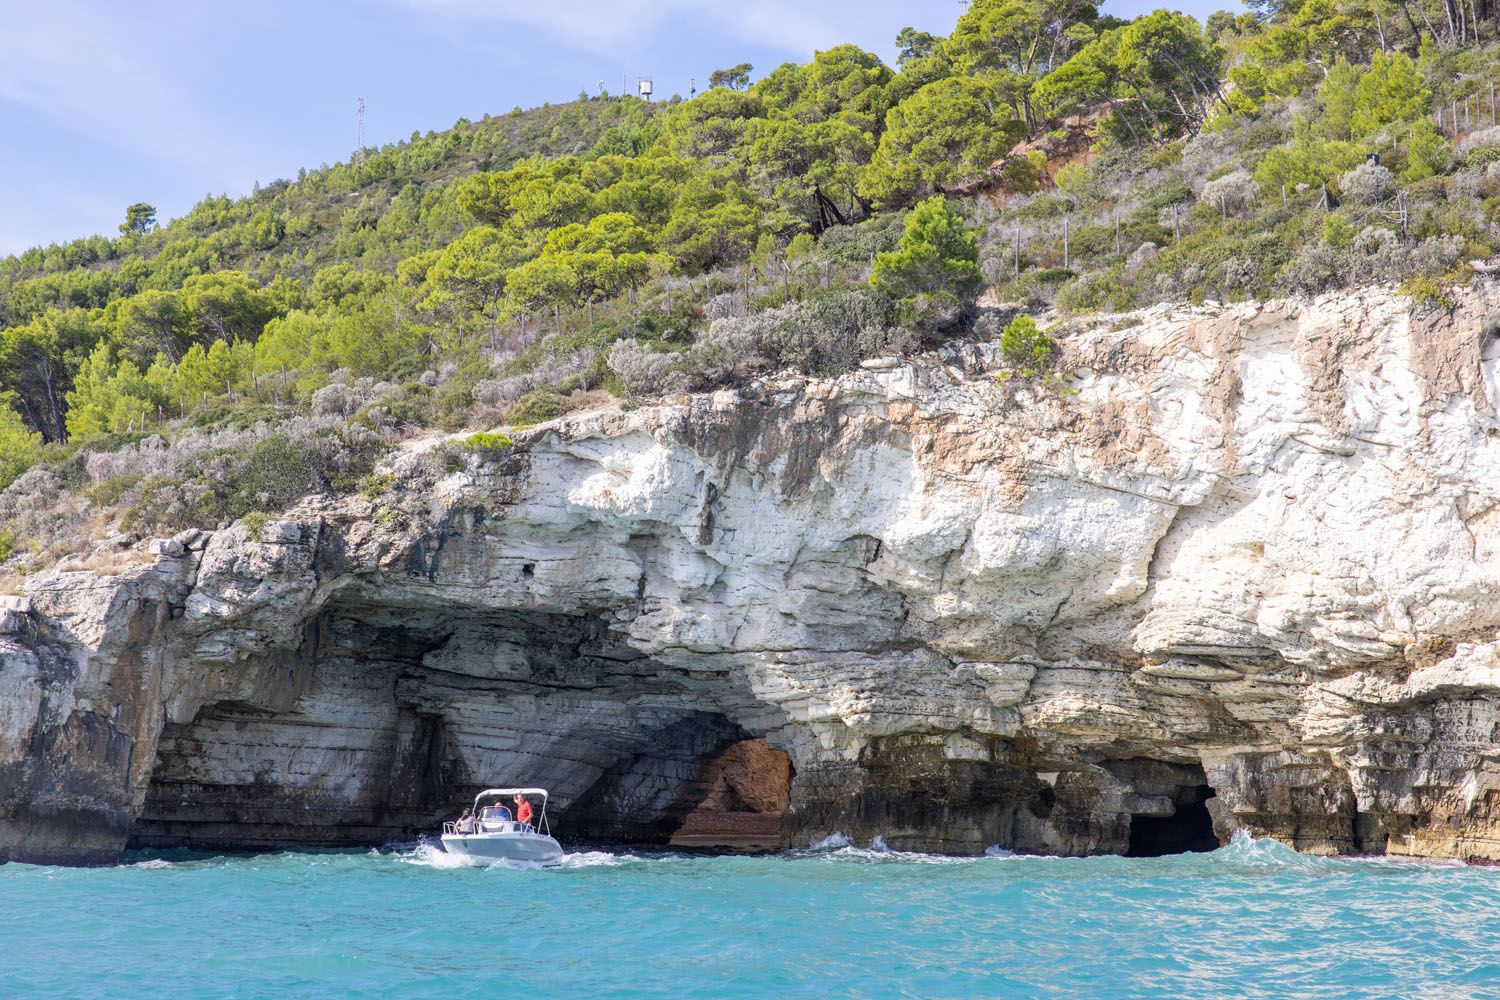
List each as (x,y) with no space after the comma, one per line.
(1252,920)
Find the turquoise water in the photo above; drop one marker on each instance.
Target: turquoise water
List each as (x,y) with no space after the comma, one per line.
(1251,920)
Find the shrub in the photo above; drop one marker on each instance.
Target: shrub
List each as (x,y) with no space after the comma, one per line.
(1367,183)
(377,486)
(1230,194)
(642,372)
(1424,290)
(7,543)
(336,399)
(491,444)
(537,407)
(825,335)
(109,492)
(937,253)
(255,524)
(1025,347)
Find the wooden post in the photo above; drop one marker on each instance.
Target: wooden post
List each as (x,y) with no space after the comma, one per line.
(1115,213)
(1067,233)
(1176,227)
(1283,196)
(1492,102)
(1018,251)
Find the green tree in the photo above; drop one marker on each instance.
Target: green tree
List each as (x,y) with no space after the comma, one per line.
(1018,41)
(735,77)
(110,395)
(913,44)
(471,272)
(1158,73)
(150,323)
(139,218)
(542,283)
(227,305)
(937,253)
(37,360)
(944,135)
(20,446)
(1391,91)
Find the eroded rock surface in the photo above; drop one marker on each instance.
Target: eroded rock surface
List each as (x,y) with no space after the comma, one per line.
(1249,576)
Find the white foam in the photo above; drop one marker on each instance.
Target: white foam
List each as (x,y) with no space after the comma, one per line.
(596,859)
(996,851)
(153,863)
(832,842)
(431,855)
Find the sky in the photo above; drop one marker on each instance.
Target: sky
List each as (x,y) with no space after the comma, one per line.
(104,103)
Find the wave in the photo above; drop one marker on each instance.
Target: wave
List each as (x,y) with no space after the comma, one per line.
(1244,854)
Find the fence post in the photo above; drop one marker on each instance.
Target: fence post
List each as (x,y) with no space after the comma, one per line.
(1067,234)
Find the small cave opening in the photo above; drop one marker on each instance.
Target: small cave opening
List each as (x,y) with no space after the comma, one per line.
(1188,829)
(701,782)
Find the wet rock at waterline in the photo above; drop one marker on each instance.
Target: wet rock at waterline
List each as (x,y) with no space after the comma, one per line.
(1248,577)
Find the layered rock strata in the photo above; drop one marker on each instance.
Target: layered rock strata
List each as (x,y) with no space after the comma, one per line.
(1244,573)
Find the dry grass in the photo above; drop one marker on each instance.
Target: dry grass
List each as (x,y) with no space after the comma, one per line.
(108,562)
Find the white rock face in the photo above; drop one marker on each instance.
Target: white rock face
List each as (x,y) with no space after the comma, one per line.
(1246,574)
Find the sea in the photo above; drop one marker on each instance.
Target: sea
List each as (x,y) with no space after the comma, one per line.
(1253,919)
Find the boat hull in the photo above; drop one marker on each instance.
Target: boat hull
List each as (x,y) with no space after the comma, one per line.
(488,849)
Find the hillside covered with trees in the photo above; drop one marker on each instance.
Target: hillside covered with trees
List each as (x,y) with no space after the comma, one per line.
(509,270)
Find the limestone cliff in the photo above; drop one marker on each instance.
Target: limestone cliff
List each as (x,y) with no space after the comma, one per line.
(1248,576)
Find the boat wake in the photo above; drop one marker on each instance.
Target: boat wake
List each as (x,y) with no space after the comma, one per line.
(1244,854)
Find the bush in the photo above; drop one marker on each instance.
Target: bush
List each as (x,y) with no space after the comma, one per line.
(1367,183)
(1424,290)
(1230,194)
(488,445)
(1025,347)
(937,253)
(826,335)
(537,407)
(255,524)
(643,372)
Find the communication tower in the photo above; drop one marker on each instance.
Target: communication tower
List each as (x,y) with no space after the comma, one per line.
(359,130)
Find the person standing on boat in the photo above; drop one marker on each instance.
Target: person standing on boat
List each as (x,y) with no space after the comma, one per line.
(523,811)
(465,822)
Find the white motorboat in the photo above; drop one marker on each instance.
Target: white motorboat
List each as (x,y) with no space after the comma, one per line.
(494,835)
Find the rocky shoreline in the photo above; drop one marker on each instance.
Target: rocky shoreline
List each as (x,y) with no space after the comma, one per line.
(1248,577)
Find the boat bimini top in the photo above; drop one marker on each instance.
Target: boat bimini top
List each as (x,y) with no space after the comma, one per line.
(505,795)
(509,793)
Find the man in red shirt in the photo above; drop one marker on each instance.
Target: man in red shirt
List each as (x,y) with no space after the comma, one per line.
(523,811)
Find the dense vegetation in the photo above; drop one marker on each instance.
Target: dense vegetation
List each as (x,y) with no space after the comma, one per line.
(509,270)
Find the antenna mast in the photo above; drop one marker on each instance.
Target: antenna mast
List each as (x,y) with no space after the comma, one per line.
(359,130)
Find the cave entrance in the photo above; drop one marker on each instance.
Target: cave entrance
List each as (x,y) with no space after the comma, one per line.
(700,781)
(1189,829)
(748,789)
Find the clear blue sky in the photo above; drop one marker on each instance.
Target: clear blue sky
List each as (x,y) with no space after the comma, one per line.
(104,103)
